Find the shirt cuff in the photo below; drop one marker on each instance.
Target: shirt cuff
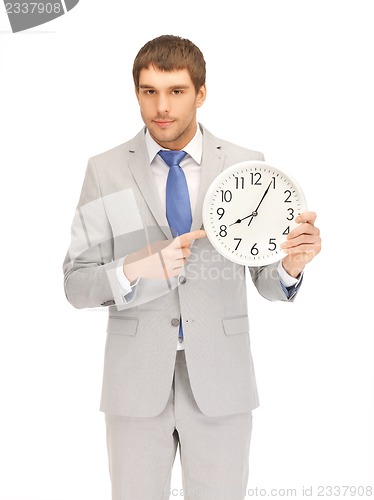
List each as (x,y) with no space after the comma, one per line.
(286,279)
(288,283)
(127,288)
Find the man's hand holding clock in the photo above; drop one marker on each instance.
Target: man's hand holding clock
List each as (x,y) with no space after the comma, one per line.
(302,245)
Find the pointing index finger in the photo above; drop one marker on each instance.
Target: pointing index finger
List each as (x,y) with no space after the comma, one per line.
(187,238)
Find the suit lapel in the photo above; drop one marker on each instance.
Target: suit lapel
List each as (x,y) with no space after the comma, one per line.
(211,166)
(140,169)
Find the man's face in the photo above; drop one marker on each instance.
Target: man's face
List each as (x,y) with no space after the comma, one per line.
(168,103)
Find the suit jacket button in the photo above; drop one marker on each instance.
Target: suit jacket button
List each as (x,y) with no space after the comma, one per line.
(175,322)
(108,303)
(182,280)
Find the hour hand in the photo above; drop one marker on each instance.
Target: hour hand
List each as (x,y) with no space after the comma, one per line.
(253,214)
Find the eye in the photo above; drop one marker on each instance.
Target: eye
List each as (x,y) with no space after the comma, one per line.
(177,92)
(148,91)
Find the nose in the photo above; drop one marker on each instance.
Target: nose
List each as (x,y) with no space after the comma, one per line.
(163,104)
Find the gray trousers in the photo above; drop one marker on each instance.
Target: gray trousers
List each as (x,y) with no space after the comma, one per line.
(214,451)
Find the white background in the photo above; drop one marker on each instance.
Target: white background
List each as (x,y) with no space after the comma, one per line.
(293,79)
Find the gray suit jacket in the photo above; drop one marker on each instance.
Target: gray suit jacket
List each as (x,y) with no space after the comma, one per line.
(119,212)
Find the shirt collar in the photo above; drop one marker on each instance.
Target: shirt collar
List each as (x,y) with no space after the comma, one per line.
(194,148)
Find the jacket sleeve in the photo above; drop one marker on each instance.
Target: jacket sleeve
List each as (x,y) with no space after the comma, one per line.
(90,270)
(89,259)
(267,281)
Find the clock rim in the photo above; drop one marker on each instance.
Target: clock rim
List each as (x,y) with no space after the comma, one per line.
(212,187)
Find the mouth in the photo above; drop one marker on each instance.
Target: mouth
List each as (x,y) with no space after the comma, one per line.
(163,124)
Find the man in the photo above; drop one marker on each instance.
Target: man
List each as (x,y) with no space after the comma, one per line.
(178,366)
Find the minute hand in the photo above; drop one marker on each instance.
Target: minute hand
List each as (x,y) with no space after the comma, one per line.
(263,196)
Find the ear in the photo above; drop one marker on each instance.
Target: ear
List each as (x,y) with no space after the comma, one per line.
(201,96)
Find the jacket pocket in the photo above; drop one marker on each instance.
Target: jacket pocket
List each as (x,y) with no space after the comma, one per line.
(233,326)
(122,326)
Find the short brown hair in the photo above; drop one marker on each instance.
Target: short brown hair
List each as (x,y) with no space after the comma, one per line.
(170,53)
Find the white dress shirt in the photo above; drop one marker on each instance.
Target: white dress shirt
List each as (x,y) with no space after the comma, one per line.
(191,165)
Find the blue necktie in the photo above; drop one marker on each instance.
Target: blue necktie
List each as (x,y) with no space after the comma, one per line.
(178,208)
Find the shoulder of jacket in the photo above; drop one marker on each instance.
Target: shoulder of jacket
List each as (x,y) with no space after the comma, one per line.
(116,154)
(241,151)
(238,153)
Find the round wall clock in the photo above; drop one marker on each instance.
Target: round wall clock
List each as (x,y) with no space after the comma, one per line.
(248,211)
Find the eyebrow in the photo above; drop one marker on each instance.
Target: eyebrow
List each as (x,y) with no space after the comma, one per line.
(173,87)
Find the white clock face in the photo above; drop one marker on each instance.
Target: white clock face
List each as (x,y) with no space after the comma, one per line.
(248,211)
